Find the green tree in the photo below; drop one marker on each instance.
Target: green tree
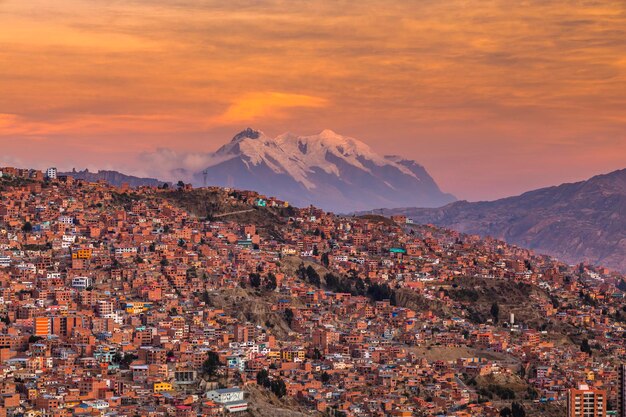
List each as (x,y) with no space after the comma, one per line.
(263,378)
(211,364)
(271,283)
(255,280)
(279,388)
(27,227)
(313,277)
(325,260)
(126,360)
(495,312)
(517,410)
(325,377)
(288,313)
(584,346)
(317,355)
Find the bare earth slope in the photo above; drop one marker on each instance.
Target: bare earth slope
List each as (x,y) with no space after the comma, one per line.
(577,222)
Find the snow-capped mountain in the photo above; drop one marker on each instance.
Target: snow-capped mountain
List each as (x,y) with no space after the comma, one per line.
(328,170)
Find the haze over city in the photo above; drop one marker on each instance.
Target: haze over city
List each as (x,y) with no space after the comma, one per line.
(493,98)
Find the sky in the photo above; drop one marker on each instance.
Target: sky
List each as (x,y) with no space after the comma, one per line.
(493,97)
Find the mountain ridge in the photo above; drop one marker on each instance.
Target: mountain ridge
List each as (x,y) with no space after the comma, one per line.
(584,221)
(329,170)
(113,177)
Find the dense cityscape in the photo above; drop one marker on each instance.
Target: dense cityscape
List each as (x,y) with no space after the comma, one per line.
(178,301)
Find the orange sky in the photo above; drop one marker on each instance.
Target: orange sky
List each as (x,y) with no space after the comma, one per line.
(494,97)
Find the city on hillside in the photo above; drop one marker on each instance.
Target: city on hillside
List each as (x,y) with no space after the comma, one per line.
(170,300)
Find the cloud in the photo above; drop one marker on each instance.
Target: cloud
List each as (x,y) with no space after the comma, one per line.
(266,105)
(430,79)
(171,165)
(14,125)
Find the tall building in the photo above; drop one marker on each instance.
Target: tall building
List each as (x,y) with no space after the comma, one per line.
(51,173)
(43,326)
(621,395)
(586,402)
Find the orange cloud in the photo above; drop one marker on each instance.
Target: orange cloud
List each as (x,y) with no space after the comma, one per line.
(469,88)
(266,105)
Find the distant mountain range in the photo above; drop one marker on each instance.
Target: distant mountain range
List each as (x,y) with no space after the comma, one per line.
(583,221)
(328,170)
(113,177)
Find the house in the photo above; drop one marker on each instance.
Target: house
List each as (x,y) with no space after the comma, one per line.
(232,399)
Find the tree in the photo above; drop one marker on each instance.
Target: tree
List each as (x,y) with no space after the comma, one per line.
(288,316)
(332,282)
(495,312)
(210,365)
(317,355)
(313,277)
(325,260)
(263,378)
(379,292)
(584,346)
(27,227)
(517,410)
(271,282)
(505,412)
(180,184)
(279,388)
(360,286)
(126,360)
(325,377)
(255,280)
(206,298)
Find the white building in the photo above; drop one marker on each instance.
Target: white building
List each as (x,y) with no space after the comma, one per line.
(232,399)
(5,261)
(51,173)
(81,283)
(125,249)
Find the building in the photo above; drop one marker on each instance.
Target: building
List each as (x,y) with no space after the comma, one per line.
(586,402)
(81,283)
(51,173)
(232,399)
(42,326)
(621,394)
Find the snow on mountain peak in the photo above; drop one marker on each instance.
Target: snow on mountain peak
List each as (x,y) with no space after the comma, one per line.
(247,133)
(300,156)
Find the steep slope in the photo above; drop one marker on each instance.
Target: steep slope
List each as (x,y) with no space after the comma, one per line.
(583,221)
(329,170)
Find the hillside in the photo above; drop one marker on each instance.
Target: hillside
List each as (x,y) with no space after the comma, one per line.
(576,222)
(113,177)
